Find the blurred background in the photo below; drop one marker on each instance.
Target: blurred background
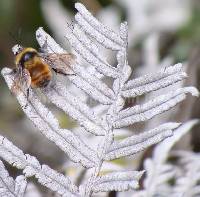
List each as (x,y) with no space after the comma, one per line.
(161,33)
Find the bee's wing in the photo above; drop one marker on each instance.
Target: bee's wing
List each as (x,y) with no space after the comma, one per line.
(22,81)
(61,63)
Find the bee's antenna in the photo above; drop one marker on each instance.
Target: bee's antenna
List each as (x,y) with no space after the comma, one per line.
(18,47)
(13,36)
(19,35)
(17,38)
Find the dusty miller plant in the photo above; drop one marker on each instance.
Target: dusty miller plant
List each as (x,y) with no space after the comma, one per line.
(85,37)
(160,172)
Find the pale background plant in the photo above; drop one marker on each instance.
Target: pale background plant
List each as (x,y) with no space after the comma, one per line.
(85,36)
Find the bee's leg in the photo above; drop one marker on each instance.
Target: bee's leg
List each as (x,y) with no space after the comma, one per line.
(27,96)
(55,71)
(62,73)
(28,93)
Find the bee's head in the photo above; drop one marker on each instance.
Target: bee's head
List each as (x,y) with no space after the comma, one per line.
(24,55)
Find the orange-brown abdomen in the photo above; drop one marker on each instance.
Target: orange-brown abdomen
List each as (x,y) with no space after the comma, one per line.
(40,74)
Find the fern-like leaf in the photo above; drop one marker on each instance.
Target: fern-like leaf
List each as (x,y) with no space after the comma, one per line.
(155,81)
(137,143)
(31,167)
(159,172)
(118,181)
(48,125)
(10,187)
(85,36)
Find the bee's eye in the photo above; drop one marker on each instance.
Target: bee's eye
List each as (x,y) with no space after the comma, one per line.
(27,57)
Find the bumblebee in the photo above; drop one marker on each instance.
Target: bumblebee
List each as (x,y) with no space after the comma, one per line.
(34,69)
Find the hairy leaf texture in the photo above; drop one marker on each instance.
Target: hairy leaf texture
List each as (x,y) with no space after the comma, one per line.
(86,36)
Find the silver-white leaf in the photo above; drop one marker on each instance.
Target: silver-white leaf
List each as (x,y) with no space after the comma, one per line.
(86,36)
(118,181)
(134,144)
(31,167)
(10,187)
(152,82)
(104,35)
(49,126)
(153,107)
(82,79)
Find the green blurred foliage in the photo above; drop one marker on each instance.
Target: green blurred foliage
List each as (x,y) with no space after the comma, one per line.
(18,20)
(188,36)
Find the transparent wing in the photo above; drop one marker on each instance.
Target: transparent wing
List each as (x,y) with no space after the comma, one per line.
(61,63)
(21,81)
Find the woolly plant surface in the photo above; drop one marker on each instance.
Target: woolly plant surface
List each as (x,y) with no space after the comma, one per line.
(87,36)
